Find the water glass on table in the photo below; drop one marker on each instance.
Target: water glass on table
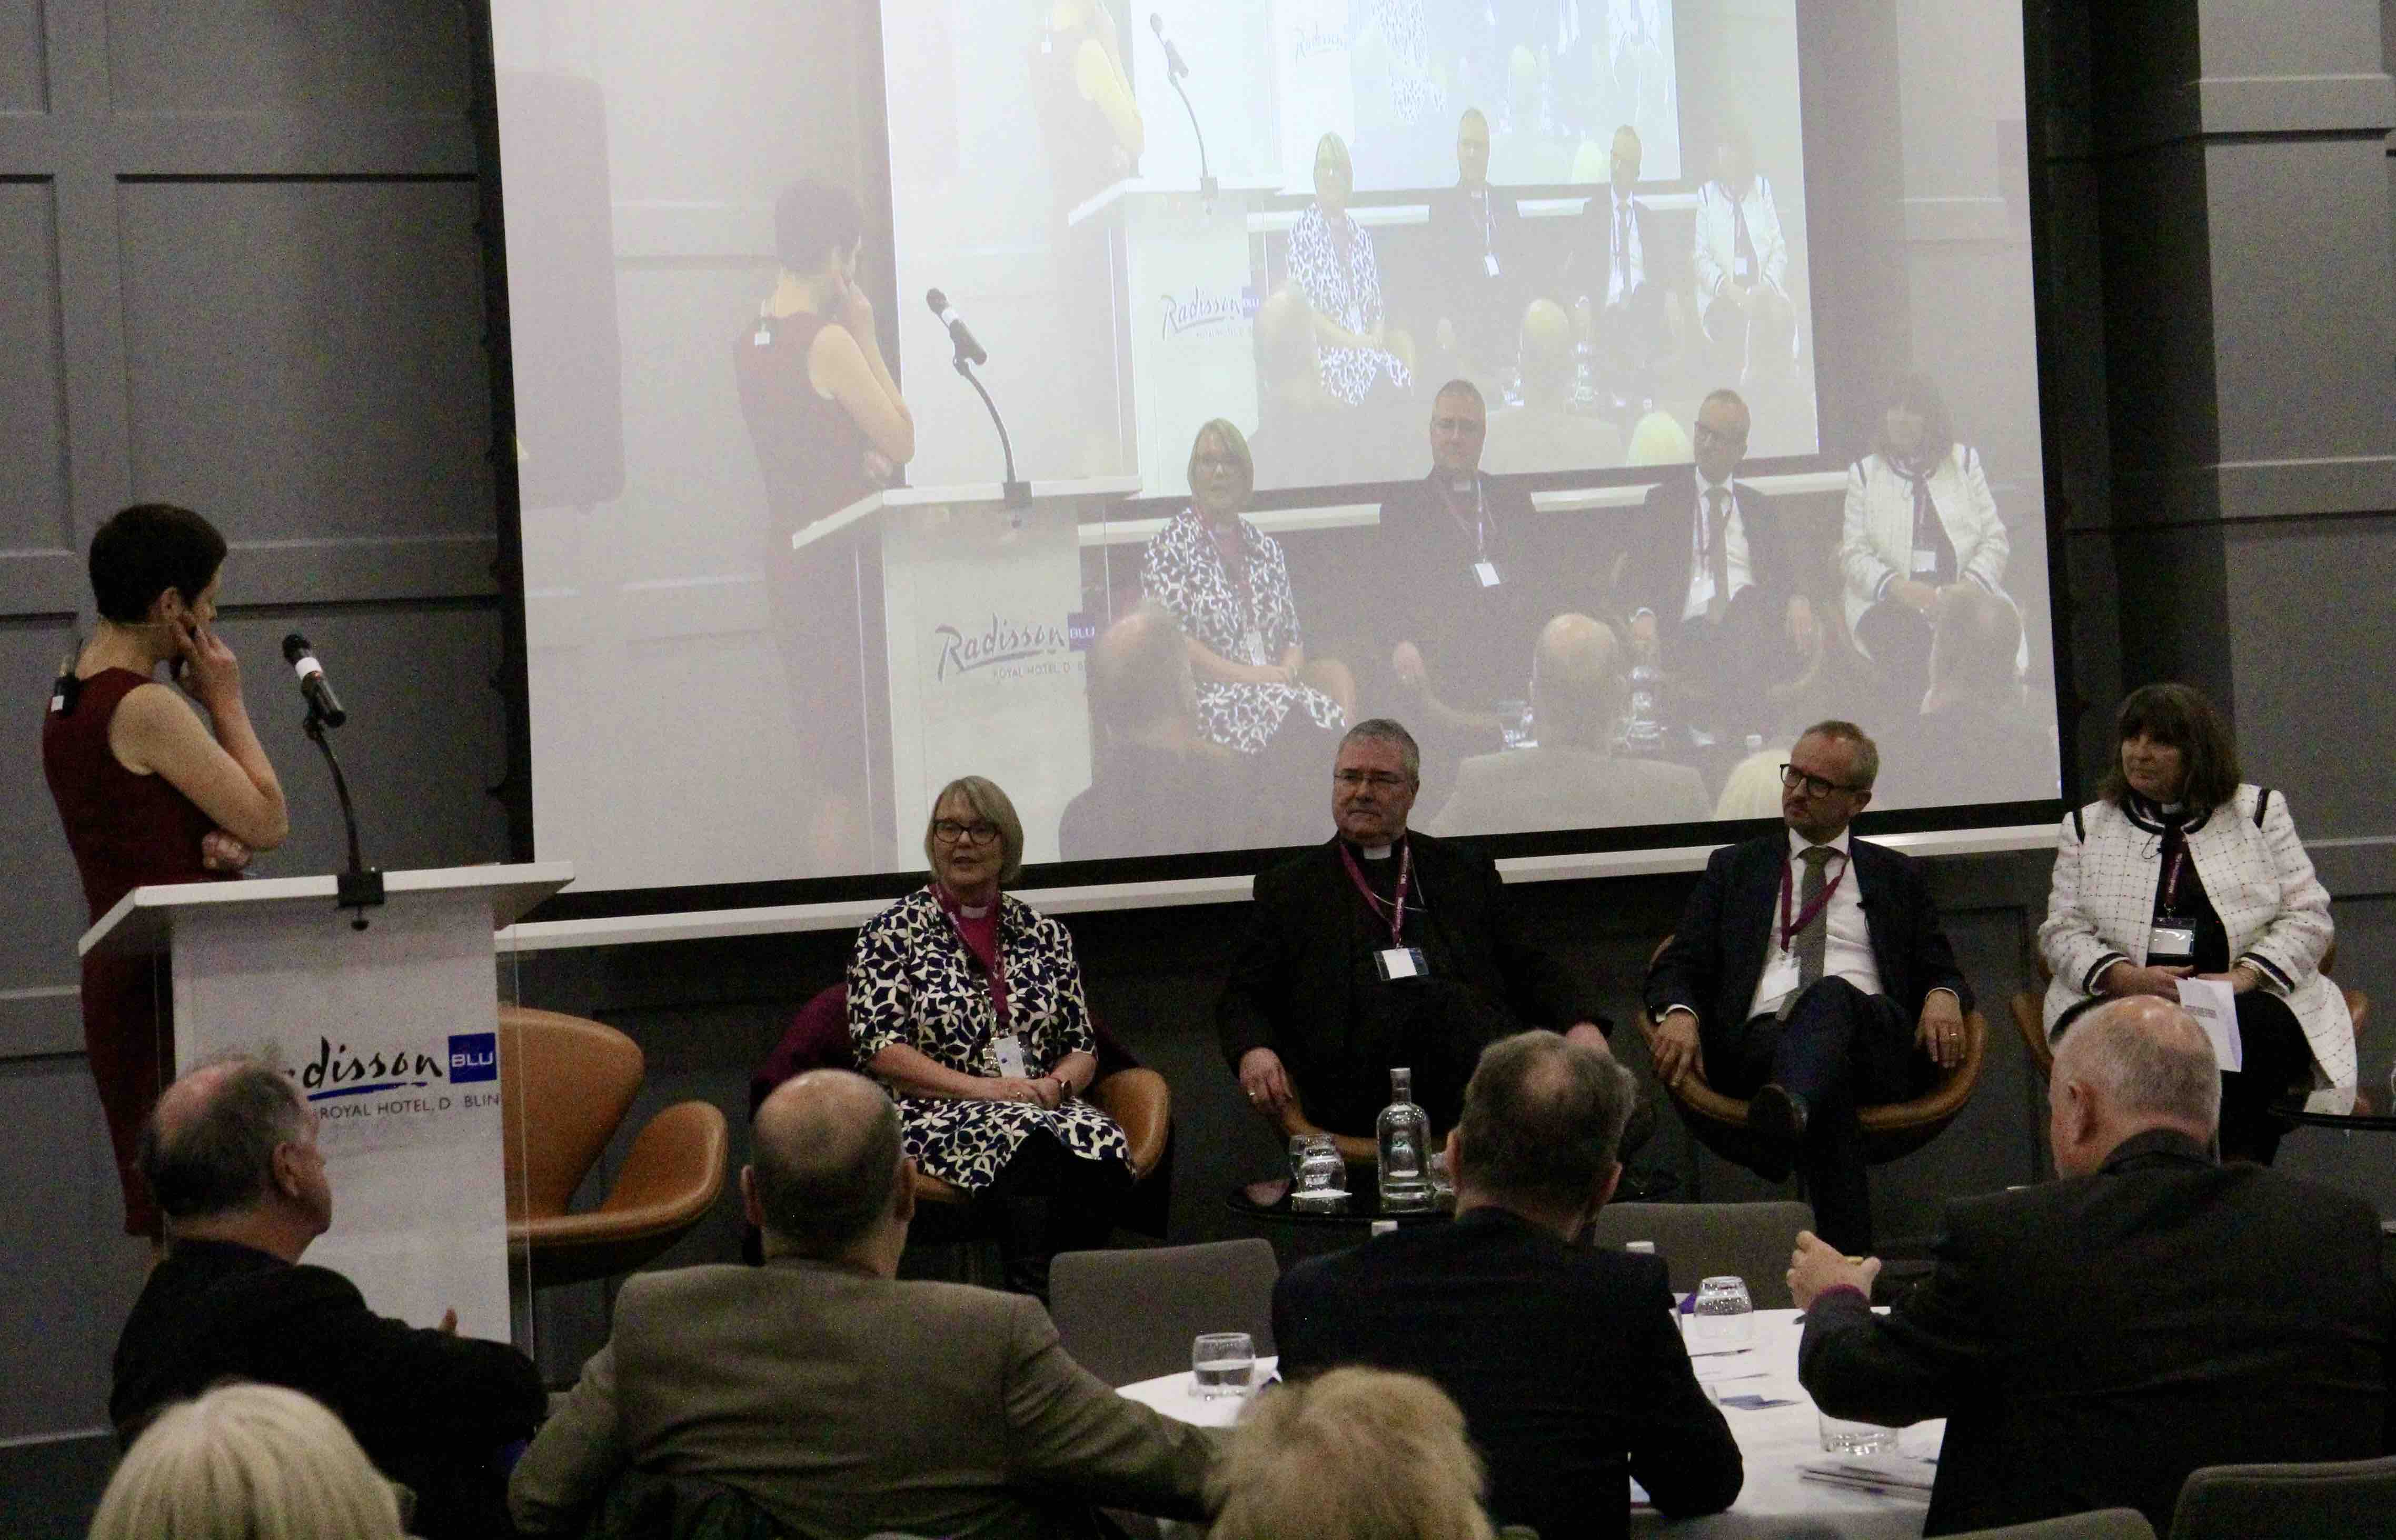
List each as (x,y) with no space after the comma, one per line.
(1222,1364)
(1842,1436)
(1321,1176)
(1722,1318)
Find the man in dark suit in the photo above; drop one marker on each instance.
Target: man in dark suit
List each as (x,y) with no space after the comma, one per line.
(2093,1341)
(1476,244)
(231,1153)
(838,1398)
(1462,592)
(1710,582)
(1619,271)
(1383,949)
(1809,975)
(1564,1359)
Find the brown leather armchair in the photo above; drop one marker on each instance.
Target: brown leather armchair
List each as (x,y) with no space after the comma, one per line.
(566,1083)
(1891,1130)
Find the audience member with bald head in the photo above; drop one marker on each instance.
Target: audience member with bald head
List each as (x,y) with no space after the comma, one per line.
(2094,1340)
(230,1156)
(927,1408)
(1975,740)
(1572,778)
(1305,435)
(1546,433)
(1158,783)
(1564,1359)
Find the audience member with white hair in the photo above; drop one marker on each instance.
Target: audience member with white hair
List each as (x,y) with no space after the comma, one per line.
(1360,1454)
(2094,1340)
(246,1462)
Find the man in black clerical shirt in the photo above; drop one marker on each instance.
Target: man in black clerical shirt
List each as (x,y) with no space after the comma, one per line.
(231,1155)
(1462,595)
(1473,232)
(1564,1359)
(1382,948)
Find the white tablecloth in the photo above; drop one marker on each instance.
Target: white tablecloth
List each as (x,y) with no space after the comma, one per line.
(1775,1501)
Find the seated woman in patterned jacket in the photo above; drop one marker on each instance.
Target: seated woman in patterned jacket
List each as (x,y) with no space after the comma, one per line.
(2181,869)
(968,1005)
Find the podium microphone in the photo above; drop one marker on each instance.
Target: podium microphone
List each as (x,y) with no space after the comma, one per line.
(1174,63)
(1174,68)
(969,351)
(322,702)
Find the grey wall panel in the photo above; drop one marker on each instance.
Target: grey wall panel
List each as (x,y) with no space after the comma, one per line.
(24,58)
(303,359)
(32,374)
(68,1274)
(169,56)
(2310,719)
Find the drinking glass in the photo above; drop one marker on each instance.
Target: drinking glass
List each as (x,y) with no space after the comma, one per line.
(1222,1364)
(1723,1317)
(1297,1159)
(1442,1184)
(1841,1437)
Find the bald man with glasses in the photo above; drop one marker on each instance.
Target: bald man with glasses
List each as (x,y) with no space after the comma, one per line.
(1808,974)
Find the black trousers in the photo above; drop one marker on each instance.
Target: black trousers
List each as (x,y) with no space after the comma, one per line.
(1839,1049)
(1048,1199)
(2275,1056)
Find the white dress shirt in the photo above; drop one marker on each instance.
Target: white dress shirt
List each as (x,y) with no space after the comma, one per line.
(1701,580)
(1846,952)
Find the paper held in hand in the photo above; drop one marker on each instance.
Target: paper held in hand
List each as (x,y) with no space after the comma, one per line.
(2215,1005)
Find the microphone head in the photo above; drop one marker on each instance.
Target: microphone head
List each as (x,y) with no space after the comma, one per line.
(1156,24)
(295,646)
(938,300)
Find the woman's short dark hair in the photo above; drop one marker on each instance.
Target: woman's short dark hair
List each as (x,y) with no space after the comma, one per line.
(2181,716)
(813,218)
(143,551)
(1915,394)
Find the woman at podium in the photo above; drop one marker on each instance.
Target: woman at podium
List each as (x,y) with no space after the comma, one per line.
(147,793)
(969,1007)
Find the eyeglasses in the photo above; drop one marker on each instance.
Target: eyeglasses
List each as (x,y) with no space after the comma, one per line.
(949,831)
(1706,434)
(1792,777)
(1217,462)
(1379,780)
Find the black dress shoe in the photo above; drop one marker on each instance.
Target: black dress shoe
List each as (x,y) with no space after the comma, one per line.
(1775,1115)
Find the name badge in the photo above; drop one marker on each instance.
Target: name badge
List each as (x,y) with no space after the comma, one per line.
(765,338)
(1486,572)
(1779,977)
(1009,1049)
(1254,639)
(1489,263)
(2171,945)
(1924,562)
(1743,269)
(1395,963)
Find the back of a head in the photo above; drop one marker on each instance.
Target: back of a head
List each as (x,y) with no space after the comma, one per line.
(1978,636)
(1546,352)
(1542,1118)
(1285,334)
(246,1462)
(825,1150)
(209,1149)
(812,221)
(1139,671)
(1577,684)
(1359,1454)
(2147,1060)
(143,551)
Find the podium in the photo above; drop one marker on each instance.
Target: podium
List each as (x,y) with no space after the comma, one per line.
(972,631)
(390,1033)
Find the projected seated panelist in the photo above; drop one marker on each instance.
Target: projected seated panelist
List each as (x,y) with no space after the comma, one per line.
(1226,584)
(968,1005)
(1707,586)
(1741,263)
(1382,947)
(1331,263)
(1615,272)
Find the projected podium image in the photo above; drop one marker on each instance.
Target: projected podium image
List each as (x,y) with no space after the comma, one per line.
(969,660)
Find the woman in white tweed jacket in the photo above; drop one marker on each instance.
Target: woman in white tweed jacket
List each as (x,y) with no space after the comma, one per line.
(2180,868)
(1920,521)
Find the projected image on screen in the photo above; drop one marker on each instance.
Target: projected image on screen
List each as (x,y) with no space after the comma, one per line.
(1605,391)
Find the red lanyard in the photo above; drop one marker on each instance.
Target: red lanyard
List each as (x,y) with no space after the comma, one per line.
(1396,910)
(1789,928)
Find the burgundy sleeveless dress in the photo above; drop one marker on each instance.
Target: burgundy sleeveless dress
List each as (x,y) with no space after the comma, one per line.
(126,832)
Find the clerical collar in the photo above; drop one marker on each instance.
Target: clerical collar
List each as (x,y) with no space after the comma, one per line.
(1374,852)
(973,912)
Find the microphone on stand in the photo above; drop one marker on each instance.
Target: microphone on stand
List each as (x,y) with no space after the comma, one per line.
(360,887)
(1174,68)
(969,353)
(313,683)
